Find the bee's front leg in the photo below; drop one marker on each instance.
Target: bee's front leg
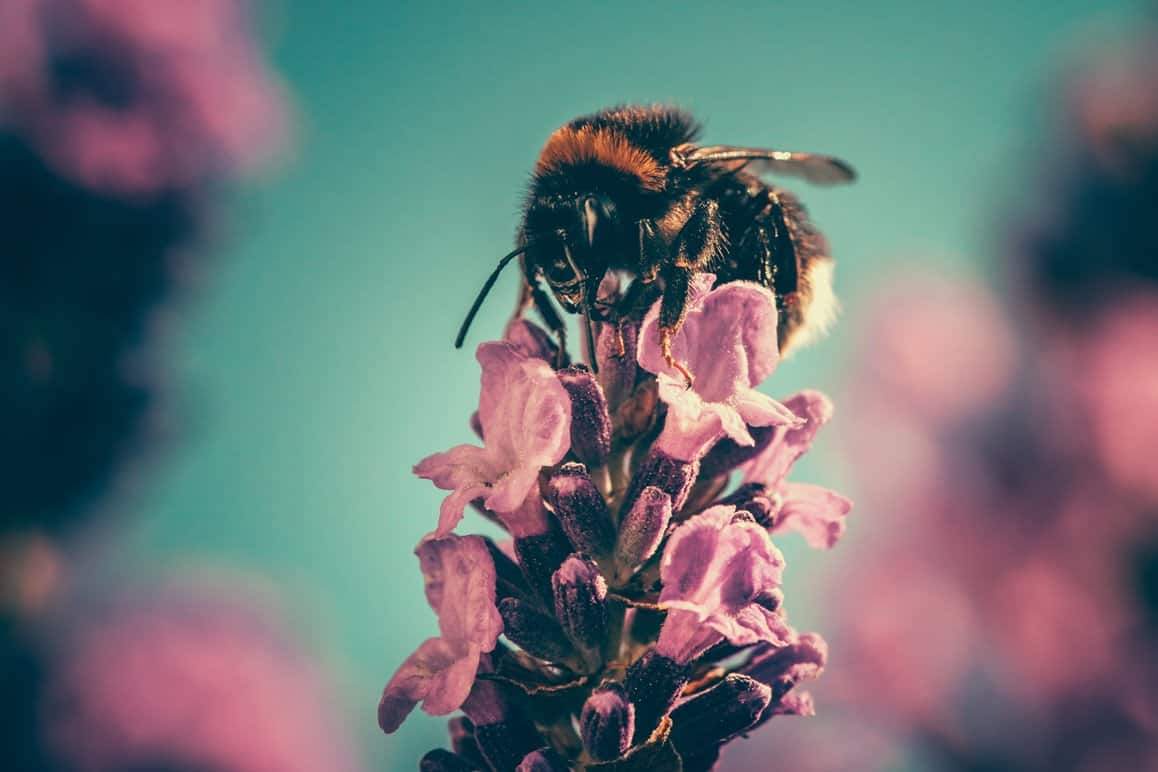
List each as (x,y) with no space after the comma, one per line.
(698,247)
(652,252)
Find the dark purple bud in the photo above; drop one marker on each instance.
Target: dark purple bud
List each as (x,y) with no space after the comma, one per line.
(476,424)
(539,556)
(509,581)
(641,531)
(581,510)
(670,475)
(652,683)
(607,723)
(783,667)
(702,723)
(503,733)
(726,454)
(440,760)
(463,743)
(590,421)
(615,351)
(752,498)
(581,604)
(533,631)
(543,760)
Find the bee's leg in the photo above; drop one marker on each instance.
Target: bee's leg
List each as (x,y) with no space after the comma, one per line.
(652,252)
(698,246)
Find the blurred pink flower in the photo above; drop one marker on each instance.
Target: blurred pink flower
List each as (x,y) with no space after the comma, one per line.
(1118,392)
(460,586)
(728,341)
(525,416)
(940,347)
(133,96)
(187,679)
(721,578)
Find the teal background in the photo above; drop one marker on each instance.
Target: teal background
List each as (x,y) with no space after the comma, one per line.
(316,367)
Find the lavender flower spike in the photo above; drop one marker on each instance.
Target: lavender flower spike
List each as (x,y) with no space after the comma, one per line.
(525,414)
(721,578)
(728,340)
(815,512)
(460,587)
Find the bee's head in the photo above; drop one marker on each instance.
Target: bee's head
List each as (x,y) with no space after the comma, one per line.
(571,240)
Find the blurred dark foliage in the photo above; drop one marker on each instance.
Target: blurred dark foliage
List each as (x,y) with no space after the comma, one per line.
(1103,239)
(82,274)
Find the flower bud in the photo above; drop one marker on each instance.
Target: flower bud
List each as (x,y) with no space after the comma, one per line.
(440,760)
(727,454)
(503,733)
(705,721)
(607,723)
(590,421)
(783,667)
(509,580)
(462,741)
(754,499)
(533,631)
(652,683)
(670,475)
(581,604)
(539,555)
(581,510)
(641,531)
(617,365)
(543,760)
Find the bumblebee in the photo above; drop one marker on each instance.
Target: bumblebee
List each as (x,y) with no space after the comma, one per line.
(629,190)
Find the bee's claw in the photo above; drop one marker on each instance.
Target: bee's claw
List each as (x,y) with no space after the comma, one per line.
(672,362)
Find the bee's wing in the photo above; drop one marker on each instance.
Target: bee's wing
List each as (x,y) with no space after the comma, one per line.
(817,169)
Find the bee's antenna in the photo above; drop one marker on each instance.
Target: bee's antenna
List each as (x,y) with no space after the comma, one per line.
(486,288)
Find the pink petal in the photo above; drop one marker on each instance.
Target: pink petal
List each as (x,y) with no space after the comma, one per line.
(761,410)
(815,512)
(460,586)
(449,687)
(413,681)
(453,507)
(459,466)
(509,493)
(791,442)
(524,410)
(752,309)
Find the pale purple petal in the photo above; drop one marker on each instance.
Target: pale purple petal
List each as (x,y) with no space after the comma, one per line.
(525,419)
(790,443)
(531,340)
(815,512)
(511,490)
(460,586)
(433,673)
(728,341)
(719,572)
